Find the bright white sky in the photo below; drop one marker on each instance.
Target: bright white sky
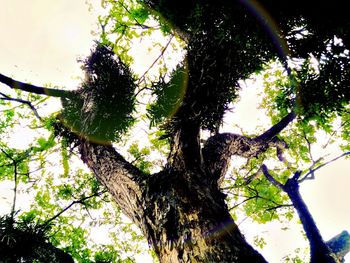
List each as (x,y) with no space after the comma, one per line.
(40,41)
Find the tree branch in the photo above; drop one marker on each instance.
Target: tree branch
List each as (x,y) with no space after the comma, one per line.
(5,97)
(15,84)
(271,178)
(80,201)
(340,245)
(219,148)
(312,171)
(278,127)
(278,207)
(154,62)
(15,173)
(121,178)
(137,22)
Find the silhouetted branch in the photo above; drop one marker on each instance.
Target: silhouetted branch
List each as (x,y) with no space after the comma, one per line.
(15,84)
(155,61)
(312,171)
(80,201)
(242,202)
(270,177)
(14,163)
(279,206)
(5,97)
(278,127)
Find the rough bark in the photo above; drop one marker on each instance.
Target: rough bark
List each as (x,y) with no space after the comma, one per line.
(219,148)
(180,212)
(190,221)
(121,179)
(185,148)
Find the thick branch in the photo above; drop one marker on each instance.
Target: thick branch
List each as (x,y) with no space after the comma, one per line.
(278,127)
(320,252)
(121,179)
(15,84)
(219,148)
(185,148)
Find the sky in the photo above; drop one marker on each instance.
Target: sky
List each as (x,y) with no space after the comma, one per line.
(40,42)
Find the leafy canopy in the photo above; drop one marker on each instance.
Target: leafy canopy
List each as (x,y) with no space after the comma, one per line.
(224,42)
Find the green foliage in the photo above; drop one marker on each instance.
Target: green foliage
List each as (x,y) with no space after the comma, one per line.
(127,20)
(158,142)
(169,96)
(345,132)
(265,199)
(140,156)
(259,242)
(25,240)
(105,256)
(298,257)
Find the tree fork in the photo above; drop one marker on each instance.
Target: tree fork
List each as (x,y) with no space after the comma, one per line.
(183,216)
(219,148)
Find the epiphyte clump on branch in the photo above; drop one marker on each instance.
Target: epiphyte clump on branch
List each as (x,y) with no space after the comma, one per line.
(102,107)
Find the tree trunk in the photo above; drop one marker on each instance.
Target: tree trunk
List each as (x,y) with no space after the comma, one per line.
(190,222)
(181,213)
(320,252)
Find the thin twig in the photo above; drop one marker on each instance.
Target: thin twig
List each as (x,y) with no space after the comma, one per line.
(242,202)
(312,171)
(279,206)
(15,188)
(25,102)
(333,134)
(308,146)
(80,201)
(155,61)
(14,163)
(137,22)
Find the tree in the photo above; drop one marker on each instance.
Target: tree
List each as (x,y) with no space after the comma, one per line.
(179,208)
